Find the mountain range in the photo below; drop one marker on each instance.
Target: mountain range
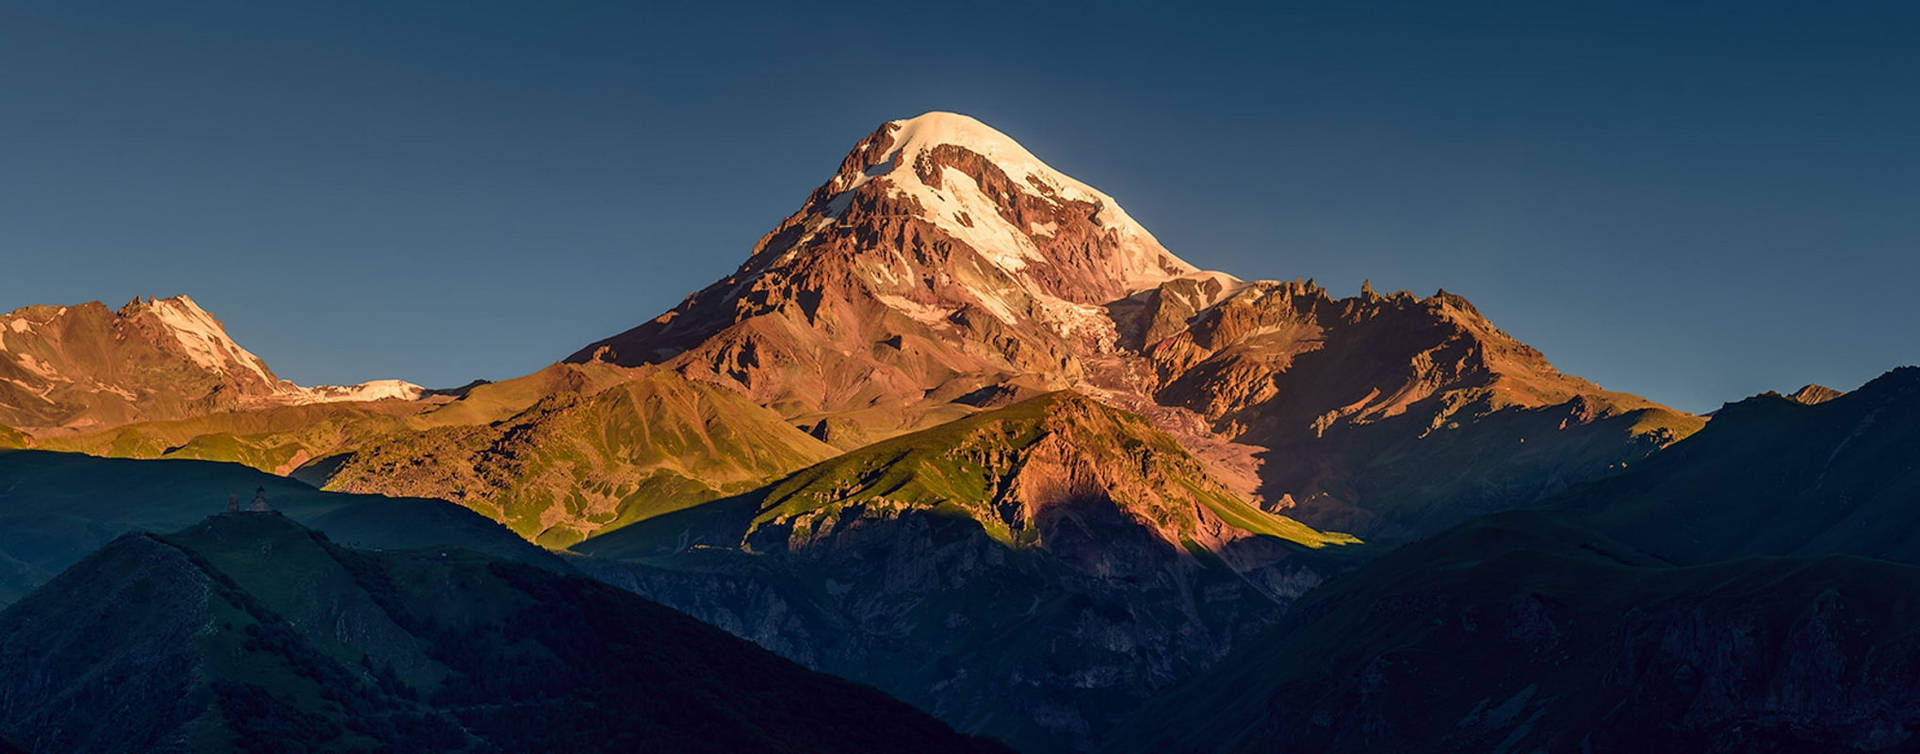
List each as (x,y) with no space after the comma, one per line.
(962,430)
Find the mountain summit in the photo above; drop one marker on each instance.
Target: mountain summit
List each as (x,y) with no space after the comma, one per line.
(982,188)
(88,367)
(941,256)
(992,229)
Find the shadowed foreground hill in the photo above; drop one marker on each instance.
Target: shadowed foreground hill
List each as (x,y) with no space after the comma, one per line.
(1713,599)
(1775,476)
(249,632)
(57,507)
(1516,634)
(1032,572)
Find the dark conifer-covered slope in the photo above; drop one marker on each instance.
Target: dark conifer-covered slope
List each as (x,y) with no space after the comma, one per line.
(249,632)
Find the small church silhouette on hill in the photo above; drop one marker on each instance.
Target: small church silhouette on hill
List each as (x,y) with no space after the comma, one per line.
(259,504)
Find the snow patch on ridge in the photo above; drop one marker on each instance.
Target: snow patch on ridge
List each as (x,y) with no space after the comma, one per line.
(373,390)
(204,339)
(924,313)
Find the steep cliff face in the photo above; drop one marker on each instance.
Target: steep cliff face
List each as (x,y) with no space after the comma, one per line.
(80,368)
(943,263)
(248,632)
(1035,570)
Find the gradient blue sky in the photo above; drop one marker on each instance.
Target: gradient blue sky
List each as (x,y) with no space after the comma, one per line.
(1691,201)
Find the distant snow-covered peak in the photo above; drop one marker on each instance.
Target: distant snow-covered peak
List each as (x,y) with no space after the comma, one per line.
(207,344)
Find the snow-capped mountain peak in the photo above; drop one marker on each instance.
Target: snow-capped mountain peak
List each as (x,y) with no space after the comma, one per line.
(987,191)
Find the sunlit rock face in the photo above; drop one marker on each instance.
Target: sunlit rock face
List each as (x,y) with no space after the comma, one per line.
(67,369)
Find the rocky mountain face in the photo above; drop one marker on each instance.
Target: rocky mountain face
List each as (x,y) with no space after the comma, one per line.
(67,369)
(941,259)
(249,632)
(1036,571)
(943,265)
(1714,598)
(1811,394)
(1392,416)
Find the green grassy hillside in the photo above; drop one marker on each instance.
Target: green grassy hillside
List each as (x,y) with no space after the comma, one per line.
(274,440)
(571,465)
(962,465)
(1000,470)
(558,455)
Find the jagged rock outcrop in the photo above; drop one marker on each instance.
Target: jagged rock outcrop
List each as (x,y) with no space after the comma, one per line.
(1811,394)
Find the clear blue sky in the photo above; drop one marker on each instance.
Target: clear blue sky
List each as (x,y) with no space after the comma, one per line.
(1691,201)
